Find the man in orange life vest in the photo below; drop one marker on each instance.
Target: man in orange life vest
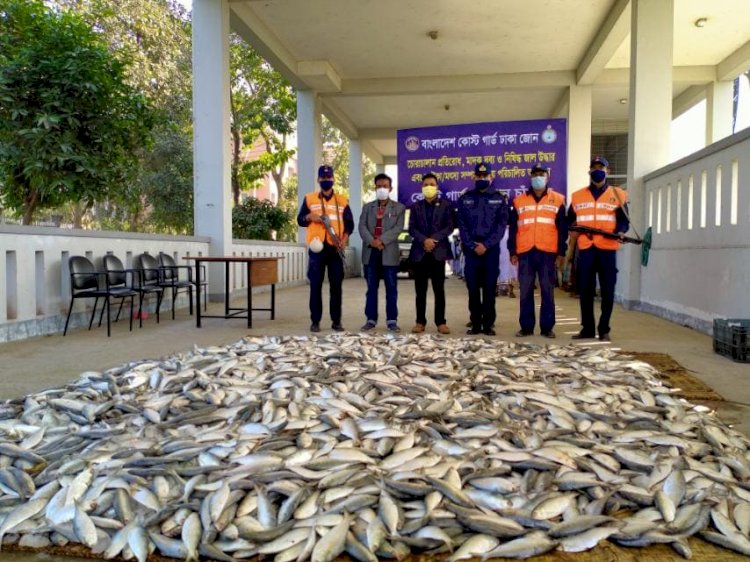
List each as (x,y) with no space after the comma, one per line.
(323,251)
(537,243)
(601,206)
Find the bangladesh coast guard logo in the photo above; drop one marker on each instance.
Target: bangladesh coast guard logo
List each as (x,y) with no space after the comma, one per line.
(549,135)
(411,144)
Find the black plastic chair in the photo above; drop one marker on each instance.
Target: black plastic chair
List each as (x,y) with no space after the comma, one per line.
(171,280)
(149,280)
(87,283)
(118,276)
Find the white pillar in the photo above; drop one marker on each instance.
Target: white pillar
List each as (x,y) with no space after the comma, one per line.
(650,122)
(379,169)
(579,138)
(355,196)
(211,134)
(308,146)
(719,97)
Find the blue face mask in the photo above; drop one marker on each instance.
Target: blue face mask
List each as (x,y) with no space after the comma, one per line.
(326,184)
(538,182)
(598,176)
(482,184)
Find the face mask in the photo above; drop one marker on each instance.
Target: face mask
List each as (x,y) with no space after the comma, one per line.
(482,184)
(429,191)
(326,184)
(598,176)
(538,182)
(382,193)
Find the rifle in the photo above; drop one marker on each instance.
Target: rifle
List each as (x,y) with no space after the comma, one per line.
(613,235)
(334,237)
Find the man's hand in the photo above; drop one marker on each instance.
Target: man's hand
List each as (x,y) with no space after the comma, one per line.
(560,261)
(514,260)
(343,240)
(622,236)
(480,249)
(429,244)
(312,217)
(377,243)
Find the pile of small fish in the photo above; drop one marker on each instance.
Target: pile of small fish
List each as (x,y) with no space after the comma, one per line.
(377,446)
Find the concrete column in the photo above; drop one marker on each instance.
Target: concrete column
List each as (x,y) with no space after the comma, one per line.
(579,139)
(719,110)
(355,196)
(650,120)
(211,134)
(379,169)
(308,146)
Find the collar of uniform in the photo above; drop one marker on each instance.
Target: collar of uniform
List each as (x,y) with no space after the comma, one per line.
(531,192)
(322,195)
(598,190)
(489,191)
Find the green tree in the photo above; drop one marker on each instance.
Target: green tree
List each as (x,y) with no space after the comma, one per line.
(254,219)
(69,123)
(263,108)
(156,36)
(336,147)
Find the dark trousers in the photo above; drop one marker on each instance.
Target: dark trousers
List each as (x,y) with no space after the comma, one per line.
(329,259)
(481,274)
(533,264)
(593,262)
(430,269)
(389,273)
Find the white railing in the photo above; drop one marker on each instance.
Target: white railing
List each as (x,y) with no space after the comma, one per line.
(699,211)
(35,280)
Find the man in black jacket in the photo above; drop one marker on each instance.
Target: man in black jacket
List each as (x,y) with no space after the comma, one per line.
(430,223)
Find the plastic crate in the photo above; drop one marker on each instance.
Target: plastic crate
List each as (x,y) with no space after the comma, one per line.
(732,338)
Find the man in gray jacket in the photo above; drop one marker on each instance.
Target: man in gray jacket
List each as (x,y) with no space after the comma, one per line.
(380,223)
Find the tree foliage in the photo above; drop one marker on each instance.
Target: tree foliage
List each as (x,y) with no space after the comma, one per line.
(263,109)
(336,147)
(156,36)
(254,219)
(69,123)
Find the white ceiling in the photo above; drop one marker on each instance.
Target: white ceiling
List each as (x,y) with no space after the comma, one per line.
(377,70)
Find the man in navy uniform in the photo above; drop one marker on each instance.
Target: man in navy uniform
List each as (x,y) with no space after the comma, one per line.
(482,215)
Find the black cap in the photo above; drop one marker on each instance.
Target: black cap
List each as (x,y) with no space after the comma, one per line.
(539,168)
(482,169)
(325,171)
(600,160)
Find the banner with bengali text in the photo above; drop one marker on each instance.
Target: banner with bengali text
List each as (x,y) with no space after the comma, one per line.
(451,151)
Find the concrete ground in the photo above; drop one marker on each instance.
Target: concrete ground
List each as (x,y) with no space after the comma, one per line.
(35,364)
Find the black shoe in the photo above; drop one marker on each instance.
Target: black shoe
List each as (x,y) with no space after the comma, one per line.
(604,337)
(489,332)
(473,332)
(315,327)
(584,336)
(523,333)
(549,334)
(337,327)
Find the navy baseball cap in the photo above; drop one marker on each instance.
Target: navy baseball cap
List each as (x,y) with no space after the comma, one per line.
(539,168)
(325,171)
(600,160)
(482,169)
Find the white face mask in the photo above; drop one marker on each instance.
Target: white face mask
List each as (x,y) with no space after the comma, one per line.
(382,193)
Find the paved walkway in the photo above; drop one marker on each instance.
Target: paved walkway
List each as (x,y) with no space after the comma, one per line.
(39,363)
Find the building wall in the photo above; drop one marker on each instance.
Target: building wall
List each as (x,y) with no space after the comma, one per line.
(699,211)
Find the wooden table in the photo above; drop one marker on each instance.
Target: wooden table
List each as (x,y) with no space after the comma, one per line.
(260,271)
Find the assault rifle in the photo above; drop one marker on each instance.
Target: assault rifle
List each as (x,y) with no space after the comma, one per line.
(613,235)
(334,237)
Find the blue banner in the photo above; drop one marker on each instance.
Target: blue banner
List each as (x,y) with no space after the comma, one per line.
(511,148)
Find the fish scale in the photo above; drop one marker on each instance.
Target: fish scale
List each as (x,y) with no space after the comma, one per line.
(306,446)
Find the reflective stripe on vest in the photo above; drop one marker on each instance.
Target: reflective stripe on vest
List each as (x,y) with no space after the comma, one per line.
(334,208)
(598,213)
(537,222)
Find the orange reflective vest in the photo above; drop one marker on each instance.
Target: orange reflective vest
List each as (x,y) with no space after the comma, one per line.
(334,208)
(536,221)
(598,213)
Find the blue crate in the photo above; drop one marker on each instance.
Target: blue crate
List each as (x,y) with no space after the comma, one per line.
(732,338)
